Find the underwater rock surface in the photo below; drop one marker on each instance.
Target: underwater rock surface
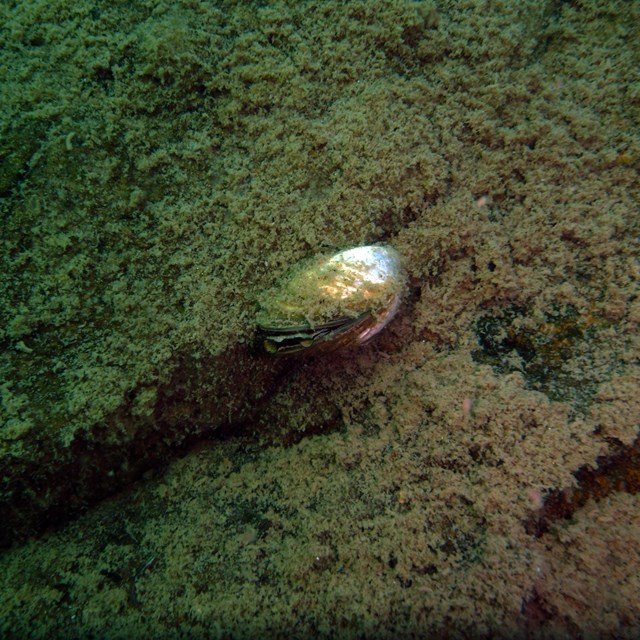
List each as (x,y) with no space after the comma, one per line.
(469,471)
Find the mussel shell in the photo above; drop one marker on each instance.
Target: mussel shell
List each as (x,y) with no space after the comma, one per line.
(331,302)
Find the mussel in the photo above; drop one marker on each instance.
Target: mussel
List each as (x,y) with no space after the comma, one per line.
(331,302)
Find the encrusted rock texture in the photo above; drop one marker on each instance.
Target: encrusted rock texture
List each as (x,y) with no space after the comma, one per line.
(474,471)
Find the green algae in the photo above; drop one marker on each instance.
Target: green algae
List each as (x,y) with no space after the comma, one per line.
(553,354)
(164,164)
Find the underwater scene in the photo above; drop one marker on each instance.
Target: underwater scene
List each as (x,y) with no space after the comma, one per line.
(320,319)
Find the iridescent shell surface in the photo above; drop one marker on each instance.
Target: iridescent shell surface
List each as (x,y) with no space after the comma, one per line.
(331,302)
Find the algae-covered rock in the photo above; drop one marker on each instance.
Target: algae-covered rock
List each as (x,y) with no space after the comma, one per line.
(164,165)
(161,167)
(468,473)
